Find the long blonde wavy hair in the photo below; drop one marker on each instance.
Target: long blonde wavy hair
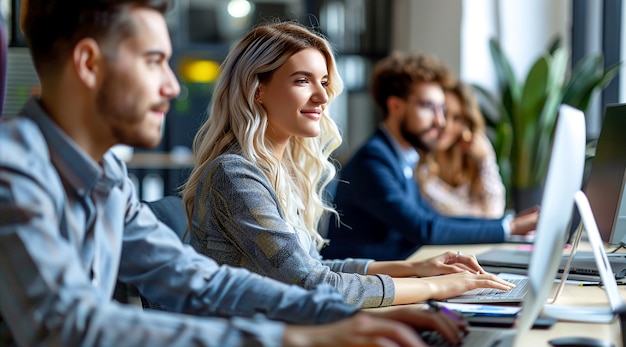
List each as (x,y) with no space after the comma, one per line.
(236,120)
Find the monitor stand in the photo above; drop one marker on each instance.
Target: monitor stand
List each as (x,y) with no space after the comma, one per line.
(583,313)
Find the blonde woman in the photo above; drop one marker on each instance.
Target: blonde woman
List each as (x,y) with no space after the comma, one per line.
(460,177)
(254,198)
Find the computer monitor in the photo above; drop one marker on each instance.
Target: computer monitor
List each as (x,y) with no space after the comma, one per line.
(605,185)
(563,180)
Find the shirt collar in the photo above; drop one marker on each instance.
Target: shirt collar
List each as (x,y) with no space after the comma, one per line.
(80,170)
(409,156)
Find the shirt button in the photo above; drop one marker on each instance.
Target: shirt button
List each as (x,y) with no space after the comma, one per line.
(408,172)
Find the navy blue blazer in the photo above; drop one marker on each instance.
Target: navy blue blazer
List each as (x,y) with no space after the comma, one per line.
(383,215)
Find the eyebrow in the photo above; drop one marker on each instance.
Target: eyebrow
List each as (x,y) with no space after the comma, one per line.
(154,52)
(306,73)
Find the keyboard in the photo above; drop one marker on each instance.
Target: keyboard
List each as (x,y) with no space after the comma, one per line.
(484,295)
(482,337)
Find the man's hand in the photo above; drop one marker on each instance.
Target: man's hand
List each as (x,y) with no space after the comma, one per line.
(392,327)
(525,222)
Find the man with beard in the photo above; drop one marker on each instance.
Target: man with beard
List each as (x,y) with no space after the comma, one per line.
(382,214)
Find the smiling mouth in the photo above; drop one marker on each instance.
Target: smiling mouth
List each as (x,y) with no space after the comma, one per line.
(160,112)
(161,108)
(312,115)
(434,132)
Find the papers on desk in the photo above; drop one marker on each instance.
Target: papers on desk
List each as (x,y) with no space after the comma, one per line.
(482,310)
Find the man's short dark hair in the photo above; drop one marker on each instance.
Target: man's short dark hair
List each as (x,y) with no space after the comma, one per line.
(53,27)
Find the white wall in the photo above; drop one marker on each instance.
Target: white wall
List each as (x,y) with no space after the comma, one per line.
(431,27)
(457,31)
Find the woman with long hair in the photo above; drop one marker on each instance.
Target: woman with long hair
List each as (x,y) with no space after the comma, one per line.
(460,177)
(255,197)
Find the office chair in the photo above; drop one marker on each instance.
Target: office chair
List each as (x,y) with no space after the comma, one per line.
(170,210)
(3,62)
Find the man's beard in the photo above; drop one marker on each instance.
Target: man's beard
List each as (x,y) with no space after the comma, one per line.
(416,139)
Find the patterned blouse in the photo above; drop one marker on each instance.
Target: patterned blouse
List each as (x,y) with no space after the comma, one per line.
(456,200)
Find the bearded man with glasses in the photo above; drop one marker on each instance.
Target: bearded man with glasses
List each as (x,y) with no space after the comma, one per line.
(381,212)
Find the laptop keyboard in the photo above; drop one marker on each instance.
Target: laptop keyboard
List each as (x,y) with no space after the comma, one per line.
(473,338)
(521,286)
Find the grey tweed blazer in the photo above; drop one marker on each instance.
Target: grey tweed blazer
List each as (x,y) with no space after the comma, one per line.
(238,221)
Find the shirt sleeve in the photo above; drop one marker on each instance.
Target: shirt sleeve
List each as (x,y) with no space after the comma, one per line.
(48,298)
(241,214)
(179,278)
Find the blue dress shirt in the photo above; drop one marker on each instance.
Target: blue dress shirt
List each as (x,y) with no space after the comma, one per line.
(70,227)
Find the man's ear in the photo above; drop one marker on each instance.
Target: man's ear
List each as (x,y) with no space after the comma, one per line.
(394,104)
(86,59)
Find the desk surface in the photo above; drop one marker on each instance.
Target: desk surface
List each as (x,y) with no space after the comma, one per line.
(572,295)
(160,160)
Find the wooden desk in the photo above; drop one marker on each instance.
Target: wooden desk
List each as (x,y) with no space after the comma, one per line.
(159,160)
(172,168)
(572,295)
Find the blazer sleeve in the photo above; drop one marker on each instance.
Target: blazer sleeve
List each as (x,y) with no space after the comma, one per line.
(386,195)
(245,211)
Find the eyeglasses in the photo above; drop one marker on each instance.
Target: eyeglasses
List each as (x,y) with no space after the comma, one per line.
(431,106)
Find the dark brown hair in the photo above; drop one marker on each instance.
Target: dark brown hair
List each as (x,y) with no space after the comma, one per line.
(53,27)
(397,74)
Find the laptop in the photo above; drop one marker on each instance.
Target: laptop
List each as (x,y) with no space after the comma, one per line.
(582,268)
(564,178)
(616,304)
(605,191)
(617,307)
(607,178)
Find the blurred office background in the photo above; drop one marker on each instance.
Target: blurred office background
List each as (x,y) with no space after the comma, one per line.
(362,31)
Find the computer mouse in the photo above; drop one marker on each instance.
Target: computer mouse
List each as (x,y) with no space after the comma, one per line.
(579,342)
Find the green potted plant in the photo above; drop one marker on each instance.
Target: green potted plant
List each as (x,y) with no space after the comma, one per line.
(525,111)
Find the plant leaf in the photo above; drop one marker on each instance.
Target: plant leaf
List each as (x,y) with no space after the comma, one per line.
(556,43)
(489,105)
(585,76)
(506,76)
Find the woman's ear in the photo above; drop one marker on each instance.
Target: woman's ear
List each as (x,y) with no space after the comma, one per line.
(258,95)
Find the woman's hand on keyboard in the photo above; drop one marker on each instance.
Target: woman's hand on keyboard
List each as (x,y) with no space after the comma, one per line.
(411,290)
(446,263)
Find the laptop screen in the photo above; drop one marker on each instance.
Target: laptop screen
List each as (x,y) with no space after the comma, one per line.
(605,185)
